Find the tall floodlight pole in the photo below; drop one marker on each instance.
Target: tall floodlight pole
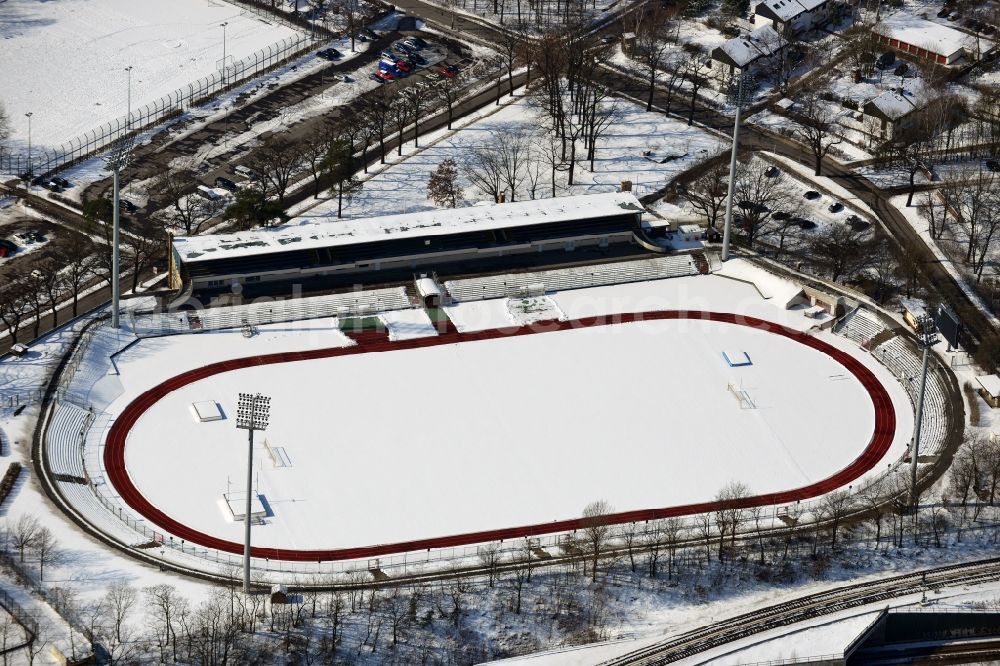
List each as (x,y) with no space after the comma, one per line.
(119,156)
(223,26)
(251,414)
(29,169)
(926,338)
(739,94)
(128,118)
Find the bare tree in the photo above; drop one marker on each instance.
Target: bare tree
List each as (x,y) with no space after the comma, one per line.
(47,550)
(447,90)
(707,193)
(489,556)
(165,605)
(353,15)
(14,303)
(78,257)
(181,208)
(841,250)
(277,164)
(442,187)
(24,532)
(653,41)
(144,250)
(731,512)
(418,98)
(485,170)
(4,123)
(120,599)
(339,168)
(759,194)
(835,507)
(596,531)
(818,127)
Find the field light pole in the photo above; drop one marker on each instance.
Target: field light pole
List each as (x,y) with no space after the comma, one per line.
(121,153)
(28,116)
(738,96)
(926,338)
(128,118)
(223,26)
(251,414)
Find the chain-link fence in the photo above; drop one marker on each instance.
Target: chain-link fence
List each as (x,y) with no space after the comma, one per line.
(44,160)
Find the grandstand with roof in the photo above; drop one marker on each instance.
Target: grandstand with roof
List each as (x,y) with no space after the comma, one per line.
(330,254)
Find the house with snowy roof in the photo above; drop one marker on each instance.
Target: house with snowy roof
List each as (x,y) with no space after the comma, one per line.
(746,53)
(889,112)
(927,40)
(791,17)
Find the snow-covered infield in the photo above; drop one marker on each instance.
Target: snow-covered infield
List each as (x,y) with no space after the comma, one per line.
(430,440)
(168,45)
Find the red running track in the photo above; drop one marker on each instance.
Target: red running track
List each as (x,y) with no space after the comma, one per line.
(114,454)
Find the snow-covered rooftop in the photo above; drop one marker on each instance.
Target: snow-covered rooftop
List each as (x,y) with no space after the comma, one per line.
(990,383)
(893,104)
(786,10)
(302,234)
(762,42)
(924,34)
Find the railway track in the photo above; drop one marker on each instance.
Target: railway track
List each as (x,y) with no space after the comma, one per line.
(808,607)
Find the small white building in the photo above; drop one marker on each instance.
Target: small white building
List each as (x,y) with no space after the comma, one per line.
(743,54)
(791,17)
(928,40)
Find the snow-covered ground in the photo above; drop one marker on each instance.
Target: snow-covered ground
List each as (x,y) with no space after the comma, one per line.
(402,186)
(168,45)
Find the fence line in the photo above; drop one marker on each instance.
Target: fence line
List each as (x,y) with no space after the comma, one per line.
(45,160)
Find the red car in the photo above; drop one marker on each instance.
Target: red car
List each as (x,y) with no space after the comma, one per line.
(403,66)
(448,70)
(384,75)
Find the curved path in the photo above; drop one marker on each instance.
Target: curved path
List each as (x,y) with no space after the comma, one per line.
(114,455)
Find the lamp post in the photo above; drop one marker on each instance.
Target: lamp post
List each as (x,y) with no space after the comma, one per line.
(128,118)
(121,152)
(739,94)
(251,414)
(926,338)
(29,170)
(223,26)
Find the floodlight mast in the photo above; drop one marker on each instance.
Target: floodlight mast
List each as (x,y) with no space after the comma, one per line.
(738,95)
(118,157)
(252,412)
(926,337)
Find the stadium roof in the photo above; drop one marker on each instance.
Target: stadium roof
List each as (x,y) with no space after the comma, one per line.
(303,234)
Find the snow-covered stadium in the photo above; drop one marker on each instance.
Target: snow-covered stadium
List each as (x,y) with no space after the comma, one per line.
(412,423)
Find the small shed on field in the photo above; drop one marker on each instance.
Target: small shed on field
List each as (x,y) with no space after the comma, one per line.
(989,389)
(913,310)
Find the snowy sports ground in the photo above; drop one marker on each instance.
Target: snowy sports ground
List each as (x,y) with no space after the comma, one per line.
(168,44)
(488,428)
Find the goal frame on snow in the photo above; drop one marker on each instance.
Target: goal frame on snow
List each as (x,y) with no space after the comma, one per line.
(742,397)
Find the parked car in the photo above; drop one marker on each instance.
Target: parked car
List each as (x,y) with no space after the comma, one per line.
(772,171)
(345,78)
(885,60)
(29,237)
(244,171)
(993,165)
(781,215)
(835,207)
(608,39)
(401,46)
(944,13)
(53,186)
(361,37)
(7,247)
(369,33)
(329,54)
(448,70)
(416,59)
(374,76)
(404,66)
(225,183)
(418,41)
(857,223)
(812,195)
(804,223)
(385,75)
(62,182)
(127,205)
(389,55)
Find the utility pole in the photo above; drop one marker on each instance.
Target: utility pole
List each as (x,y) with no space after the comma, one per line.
(252,413)
(223,26)
(926,338)
(740,92)
(128,118)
